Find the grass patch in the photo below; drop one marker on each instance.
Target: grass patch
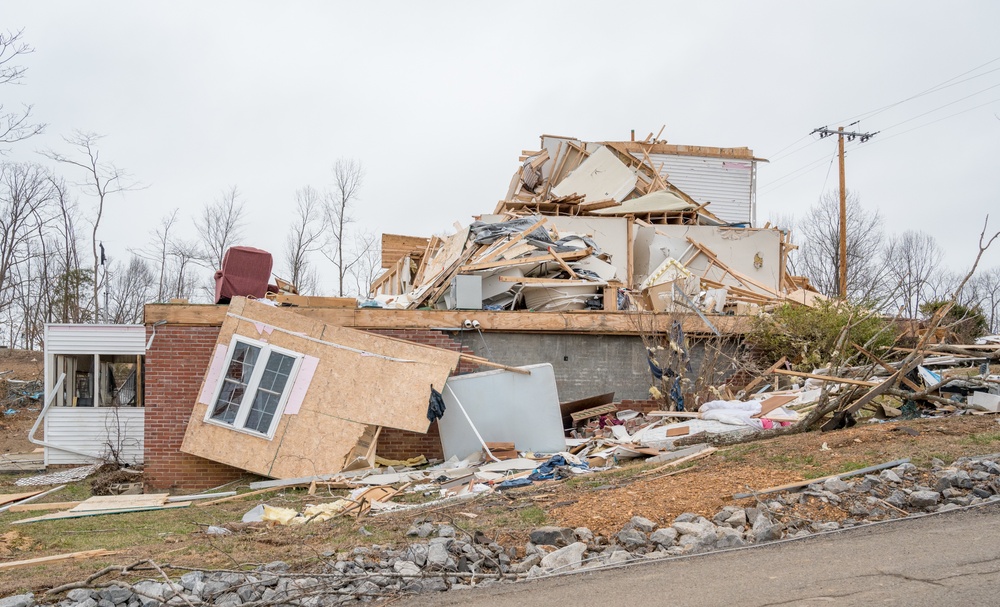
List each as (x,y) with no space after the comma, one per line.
(739,452)
(533,516)
(794,462)
(982,438)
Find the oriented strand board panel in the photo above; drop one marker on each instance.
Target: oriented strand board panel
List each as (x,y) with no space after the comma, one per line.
(504,407)
(360,379)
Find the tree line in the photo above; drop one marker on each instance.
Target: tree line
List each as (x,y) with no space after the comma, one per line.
(53,266)
(902,275)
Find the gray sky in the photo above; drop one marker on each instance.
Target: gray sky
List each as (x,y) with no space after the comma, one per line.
(437,100)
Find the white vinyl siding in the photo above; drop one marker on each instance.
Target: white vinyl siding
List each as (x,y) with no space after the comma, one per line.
(728,183)
(92,430)
(95,339)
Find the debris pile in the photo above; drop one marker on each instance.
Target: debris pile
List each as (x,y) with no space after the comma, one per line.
(600,226)
(932,379)
(443,556)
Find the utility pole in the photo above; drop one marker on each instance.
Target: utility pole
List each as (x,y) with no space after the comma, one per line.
(825,132)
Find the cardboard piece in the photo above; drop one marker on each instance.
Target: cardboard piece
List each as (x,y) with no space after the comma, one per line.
(503,407)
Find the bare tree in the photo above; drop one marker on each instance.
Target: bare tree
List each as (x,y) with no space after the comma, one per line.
(820,252)
(347,179)
(102,179)
(25,192)
(67,292)
(14,125)
(986,288)
(158,252)
(129,289)
(304,238)
(220,226)
(180,278)
(911,260)
(367,252)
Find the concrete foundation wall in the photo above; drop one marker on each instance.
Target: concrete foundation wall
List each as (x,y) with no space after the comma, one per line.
(585,365)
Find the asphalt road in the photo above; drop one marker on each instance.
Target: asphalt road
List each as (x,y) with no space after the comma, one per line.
(949,559)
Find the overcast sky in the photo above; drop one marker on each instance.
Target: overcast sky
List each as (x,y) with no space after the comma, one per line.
(436,100)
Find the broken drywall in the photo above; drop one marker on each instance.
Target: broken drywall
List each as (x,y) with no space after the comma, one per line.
(503,407)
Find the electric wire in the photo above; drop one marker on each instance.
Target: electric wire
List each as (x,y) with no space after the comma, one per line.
(937,87)
(785,152)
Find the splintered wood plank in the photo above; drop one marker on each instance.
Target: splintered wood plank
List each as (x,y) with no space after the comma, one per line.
(571,256)
(773,402)
(562,263)
(71,556)
(7,498)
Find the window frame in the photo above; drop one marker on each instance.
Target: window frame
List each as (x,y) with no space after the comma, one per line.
(246,403)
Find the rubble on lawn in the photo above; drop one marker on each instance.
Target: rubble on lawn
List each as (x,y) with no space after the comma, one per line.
(445,556)
(599,226)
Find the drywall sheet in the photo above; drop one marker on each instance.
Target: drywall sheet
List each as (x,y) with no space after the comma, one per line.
(600,177)
(359,379)
(610,233)
(754,253)
(504,407)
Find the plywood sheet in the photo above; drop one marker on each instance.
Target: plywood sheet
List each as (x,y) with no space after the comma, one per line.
(361,380)
(121,502)
(8,498)
(503,407)
(303,445)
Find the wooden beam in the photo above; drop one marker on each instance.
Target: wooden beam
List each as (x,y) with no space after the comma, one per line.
(722,266)
(797,484)
(516,238)
(830,378)
(763,376)
(561,282)
(562,263)
(887,367)
(43,560)
(489,265)
(522,321)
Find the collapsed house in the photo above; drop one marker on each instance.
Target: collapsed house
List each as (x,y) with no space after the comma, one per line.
(588,238)
(603,226)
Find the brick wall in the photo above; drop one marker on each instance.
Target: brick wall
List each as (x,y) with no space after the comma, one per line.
(175,367)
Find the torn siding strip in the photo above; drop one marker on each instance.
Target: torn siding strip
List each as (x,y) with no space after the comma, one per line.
(306,371)
(212,377)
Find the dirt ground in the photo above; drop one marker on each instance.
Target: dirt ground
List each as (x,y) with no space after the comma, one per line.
(17,415)
(602,501)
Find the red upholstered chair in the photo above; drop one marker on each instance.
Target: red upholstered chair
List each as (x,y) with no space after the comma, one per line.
(245,272)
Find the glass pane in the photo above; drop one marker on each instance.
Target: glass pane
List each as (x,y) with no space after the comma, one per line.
(235,382)
(262,412)
(269,391)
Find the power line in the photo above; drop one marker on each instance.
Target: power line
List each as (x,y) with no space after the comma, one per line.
(935,88)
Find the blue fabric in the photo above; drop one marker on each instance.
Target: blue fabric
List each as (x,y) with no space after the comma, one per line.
(513,483)
(550,469)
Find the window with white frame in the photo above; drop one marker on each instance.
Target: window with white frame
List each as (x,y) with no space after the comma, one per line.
(254,386)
